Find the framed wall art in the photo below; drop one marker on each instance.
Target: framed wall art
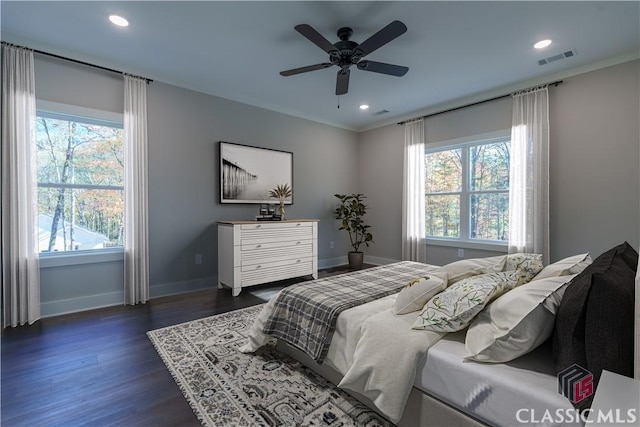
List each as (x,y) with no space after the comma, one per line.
(247,173)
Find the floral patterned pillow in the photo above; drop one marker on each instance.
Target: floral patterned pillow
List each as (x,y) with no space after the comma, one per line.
(528,265)
(454,308)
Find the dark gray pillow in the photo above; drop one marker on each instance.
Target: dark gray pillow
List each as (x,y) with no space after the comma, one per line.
(569,338)
(628,254)
(568,332)
(609,321)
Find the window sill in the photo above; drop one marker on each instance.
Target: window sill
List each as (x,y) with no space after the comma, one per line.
(466,244)
(64,259)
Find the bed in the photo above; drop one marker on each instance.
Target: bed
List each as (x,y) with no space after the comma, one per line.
(379,350)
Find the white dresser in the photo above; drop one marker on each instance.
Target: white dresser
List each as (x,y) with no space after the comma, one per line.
(254,252)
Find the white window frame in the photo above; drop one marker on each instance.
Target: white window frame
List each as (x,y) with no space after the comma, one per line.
(92,116)
(465,143)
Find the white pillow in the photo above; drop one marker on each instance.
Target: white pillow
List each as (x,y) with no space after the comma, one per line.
(462,269)
(528,265)
(571,265)
(417,292)
(517,322)
(454,308)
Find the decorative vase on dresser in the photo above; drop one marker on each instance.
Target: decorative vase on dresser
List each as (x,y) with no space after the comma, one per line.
(251,252)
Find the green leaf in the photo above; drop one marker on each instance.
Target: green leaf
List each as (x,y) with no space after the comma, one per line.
(350,213)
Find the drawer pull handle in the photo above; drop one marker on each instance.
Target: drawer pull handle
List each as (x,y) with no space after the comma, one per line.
(259,225)
(298,225)
(298,261)
(297,243)
(258,266)
(258,246)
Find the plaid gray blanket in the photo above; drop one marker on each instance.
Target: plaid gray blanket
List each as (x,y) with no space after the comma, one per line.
(305,314)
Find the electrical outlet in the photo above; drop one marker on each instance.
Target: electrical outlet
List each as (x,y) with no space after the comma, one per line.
(198,259)
(332,245)
(460,253)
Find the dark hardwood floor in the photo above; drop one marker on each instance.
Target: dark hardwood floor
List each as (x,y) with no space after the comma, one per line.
(98,368)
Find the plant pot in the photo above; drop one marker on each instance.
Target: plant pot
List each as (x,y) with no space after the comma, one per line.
(356,260)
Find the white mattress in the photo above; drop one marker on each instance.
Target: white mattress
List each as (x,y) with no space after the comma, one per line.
(489,392)
(493,393)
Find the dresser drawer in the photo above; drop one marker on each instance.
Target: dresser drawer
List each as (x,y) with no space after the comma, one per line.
(277,272)
(283,253)
(265,225)
(266,266)
(266,246)
(254,237)
(252,234)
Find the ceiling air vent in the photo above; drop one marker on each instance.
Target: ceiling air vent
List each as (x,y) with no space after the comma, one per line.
(378,113)
(563,55)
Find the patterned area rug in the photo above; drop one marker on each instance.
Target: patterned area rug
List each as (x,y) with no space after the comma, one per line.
(228,388)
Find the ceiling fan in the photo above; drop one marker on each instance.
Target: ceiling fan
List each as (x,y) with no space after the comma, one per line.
(346,53)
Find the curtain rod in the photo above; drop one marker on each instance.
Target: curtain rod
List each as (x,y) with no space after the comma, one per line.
(556,83)
(100,67)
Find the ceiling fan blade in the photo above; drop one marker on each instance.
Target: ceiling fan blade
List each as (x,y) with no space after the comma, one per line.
(308,68)
(381,67)
(342,82)
(382,37)
(316,38)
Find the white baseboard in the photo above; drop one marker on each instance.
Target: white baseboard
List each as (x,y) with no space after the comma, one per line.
(91,302)
(368,259)
(74,305)
(173,288)
(332,262)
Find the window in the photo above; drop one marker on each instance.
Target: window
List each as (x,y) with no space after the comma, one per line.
(467,191)
(80,167)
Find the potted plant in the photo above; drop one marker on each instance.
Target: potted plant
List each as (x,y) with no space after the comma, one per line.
(351,212)
(281,192)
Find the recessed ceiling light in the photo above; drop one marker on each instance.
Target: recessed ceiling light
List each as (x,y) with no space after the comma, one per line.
(118,20)
(364,107)
(542,44)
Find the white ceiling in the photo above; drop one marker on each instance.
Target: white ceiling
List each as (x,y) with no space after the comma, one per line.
(235,49)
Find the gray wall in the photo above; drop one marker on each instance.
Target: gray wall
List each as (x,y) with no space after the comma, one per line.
(380,166)
(66,83)
(595,187)
(184,128)
(594,169)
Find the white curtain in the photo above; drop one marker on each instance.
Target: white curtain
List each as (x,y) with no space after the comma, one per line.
(20,264)
(414,245)
(136,260)
(529,174)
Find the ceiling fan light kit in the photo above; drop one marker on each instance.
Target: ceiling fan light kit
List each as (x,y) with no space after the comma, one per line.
(346,53)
